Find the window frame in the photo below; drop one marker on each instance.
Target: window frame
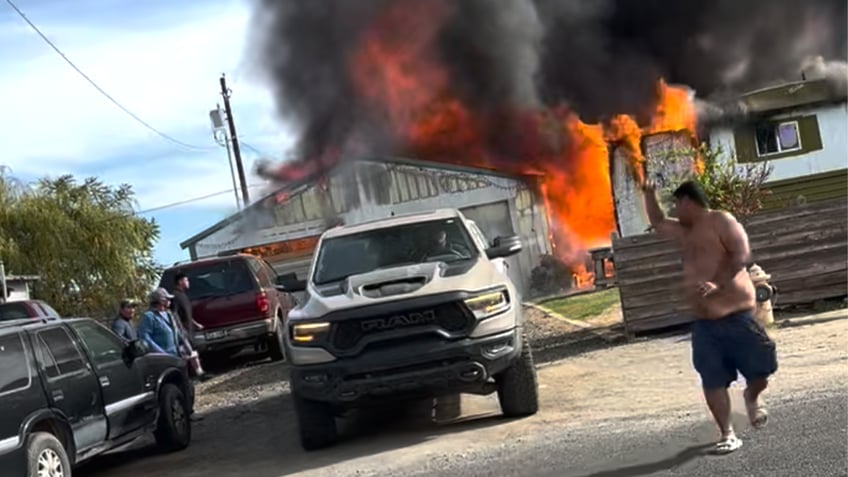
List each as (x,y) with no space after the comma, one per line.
(109,335)
(775,125)
(477,234)
(26,362)
(83,357)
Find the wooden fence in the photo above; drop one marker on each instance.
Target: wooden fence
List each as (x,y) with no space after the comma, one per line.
(804,248)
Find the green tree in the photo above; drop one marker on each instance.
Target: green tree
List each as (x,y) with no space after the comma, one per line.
(81,238)
(732,187)
(735,188)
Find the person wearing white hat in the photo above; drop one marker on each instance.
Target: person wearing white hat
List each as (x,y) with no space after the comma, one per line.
(156,327)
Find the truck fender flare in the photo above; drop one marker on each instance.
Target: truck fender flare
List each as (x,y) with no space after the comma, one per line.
(170,375)
(58,421)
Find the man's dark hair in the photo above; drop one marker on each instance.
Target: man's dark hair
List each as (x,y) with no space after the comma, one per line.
(179,276)
(692,191)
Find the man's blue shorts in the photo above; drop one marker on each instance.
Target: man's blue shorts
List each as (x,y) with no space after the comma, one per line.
(737,343)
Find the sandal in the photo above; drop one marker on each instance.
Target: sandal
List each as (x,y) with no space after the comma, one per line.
(728,444)
(757,413)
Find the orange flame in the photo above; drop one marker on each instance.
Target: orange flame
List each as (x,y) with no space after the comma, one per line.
(581,278)
(396,73)
(675,110)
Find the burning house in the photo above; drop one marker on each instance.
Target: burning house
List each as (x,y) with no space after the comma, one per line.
(799,128)
(557,97)
(284,226)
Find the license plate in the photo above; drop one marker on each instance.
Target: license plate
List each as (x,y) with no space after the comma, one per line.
(215,335)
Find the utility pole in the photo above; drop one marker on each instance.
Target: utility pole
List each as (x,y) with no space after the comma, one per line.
(224,141)
(225,92)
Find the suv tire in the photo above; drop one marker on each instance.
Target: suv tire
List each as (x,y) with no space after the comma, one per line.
(316,422)
(276,344)
(44,451)
(518,390)
(173,428)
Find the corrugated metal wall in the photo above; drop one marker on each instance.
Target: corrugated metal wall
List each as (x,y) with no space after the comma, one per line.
(805,249)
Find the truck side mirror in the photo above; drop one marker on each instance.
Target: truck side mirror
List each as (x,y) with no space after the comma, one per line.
(289,283)
(504,247)
(135,349)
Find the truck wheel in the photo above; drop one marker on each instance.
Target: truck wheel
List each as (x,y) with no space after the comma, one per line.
(46,456)
(173,429)
(316,422)
(276,345)
(518,390)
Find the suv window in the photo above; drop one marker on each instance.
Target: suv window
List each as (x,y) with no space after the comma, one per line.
(269,273)
(14,311)
(102,345)
(60,356)
(14,369)
(220,278)
(341,257)
(258,269)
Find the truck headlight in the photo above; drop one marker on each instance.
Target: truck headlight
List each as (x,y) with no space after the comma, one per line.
(307,332)
(488,304)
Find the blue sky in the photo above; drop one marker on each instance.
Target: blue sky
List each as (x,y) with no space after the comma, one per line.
(162,61)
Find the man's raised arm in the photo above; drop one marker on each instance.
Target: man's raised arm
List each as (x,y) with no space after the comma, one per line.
(665,226)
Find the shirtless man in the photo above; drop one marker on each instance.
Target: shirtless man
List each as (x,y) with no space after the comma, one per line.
(726,338)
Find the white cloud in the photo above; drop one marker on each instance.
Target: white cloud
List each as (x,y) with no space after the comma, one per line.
(55,121)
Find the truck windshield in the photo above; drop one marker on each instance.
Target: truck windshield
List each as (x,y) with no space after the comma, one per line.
(438,240)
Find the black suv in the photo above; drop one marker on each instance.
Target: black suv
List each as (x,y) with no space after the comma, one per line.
(71,390)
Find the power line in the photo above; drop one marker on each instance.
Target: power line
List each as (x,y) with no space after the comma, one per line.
(253,148)
(189,201)
(99,89)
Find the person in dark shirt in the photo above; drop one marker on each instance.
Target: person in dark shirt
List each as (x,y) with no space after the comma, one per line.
(181,305)
(122,324)
(181,309)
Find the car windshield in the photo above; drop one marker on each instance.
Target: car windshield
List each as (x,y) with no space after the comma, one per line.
(439,240)
(213,279)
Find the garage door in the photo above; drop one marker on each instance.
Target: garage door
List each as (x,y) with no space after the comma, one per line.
(494,221)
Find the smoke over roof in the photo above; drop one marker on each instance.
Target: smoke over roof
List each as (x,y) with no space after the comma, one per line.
(599,57)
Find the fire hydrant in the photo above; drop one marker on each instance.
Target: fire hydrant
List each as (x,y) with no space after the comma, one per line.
(765,291)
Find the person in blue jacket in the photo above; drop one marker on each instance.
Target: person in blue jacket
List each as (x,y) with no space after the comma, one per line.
(157,327)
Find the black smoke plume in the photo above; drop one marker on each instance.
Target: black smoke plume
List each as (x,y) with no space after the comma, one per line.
(600,57)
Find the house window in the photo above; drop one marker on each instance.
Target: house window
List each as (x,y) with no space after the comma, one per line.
(776,138)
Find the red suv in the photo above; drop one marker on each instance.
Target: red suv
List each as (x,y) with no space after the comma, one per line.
(16,310)
(236,301)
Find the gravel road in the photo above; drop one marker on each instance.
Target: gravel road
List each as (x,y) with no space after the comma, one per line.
(635,408)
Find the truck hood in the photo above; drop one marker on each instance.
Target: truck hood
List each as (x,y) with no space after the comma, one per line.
(400,283)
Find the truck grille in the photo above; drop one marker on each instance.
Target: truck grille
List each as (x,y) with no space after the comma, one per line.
(450,317)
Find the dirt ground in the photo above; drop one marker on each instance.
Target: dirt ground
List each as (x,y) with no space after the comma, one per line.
(249,427)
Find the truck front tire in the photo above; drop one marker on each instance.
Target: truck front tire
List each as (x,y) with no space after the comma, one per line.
(46,456)
(316,422)
(173,429)
(518,389)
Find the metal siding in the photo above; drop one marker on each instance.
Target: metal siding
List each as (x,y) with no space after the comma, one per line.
(808,189)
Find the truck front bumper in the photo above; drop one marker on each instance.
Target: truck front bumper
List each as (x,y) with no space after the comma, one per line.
(425,369)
